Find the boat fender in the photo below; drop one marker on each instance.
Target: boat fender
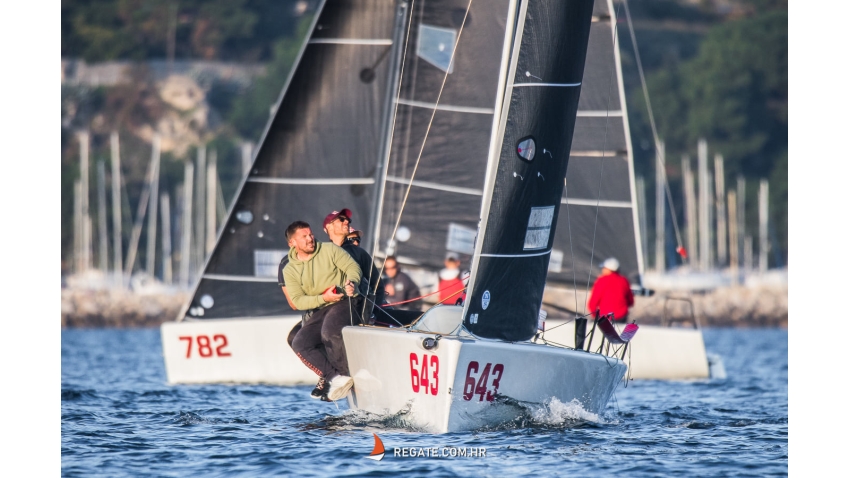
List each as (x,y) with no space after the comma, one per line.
(430,343)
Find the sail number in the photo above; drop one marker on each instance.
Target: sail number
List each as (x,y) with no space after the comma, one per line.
(485,384)
(206,347)
(425,373)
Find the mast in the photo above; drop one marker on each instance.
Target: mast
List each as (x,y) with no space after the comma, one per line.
(117,236)
(154,200)
(704,194)
(763,208)
(720,191)
(212,175)
(102,242)
(166,238)
(186,234)
(84,201)
(387,129)
(526,172)
(618,68)
(660,233)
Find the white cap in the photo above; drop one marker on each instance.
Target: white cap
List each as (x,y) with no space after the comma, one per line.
(610,264)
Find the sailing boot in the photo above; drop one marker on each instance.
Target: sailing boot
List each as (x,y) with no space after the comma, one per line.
(321,390)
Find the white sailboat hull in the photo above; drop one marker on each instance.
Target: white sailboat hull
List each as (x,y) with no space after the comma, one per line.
(469,383)
(655,353)
(240,350)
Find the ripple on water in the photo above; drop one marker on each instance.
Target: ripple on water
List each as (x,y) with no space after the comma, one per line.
(120,418)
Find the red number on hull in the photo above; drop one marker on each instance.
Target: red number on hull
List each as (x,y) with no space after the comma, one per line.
(414,372)
(205,346)
(218,350)
(482,385)
(425,377)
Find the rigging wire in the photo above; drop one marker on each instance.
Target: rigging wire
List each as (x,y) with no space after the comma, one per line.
(570,236)
(427,130)
(602,160)
(376,240)
(679,247)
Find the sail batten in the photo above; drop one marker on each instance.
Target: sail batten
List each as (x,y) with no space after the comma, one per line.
(351,41)
(258,179)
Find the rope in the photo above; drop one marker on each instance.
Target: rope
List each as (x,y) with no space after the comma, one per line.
(428,130)
(417,298)
(654,131)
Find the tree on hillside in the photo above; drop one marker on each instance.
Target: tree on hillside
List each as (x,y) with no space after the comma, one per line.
(734,94)
(102,30)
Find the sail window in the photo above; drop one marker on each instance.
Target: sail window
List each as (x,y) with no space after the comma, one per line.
(539,225)
(266,262)
(245,217)
(525,149)
(435,45)
(461,239)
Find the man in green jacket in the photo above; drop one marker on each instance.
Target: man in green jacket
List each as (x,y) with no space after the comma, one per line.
(313,275)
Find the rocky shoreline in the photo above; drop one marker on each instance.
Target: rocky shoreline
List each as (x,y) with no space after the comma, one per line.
(113,308)
(735,306)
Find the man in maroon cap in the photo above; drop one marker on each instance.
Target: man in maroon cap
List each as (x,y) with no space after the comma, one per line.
(337,226)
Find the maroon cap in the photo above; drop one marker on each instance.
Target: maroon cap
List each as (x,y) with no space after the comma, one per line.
(352,230)
(330,217)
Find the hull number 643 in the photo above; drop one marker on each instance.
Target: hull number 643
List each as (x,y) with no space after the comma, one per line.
(482,381)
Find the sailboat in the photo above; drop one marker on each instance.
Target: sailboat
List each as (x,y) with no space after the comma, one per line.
(599,215)
(321,151)
(233,328)
(464,367)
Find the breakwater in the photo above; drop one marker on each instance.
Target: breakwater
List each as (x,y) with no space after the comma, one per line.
(735,306)
(108,308)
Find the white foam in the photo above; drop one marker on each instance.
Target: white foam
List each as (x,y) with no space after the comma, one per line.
(556,412)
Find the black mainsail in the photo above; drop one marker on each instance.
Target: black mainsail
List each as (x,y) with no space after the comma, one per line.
(320,152)
(526,170)
(442,208)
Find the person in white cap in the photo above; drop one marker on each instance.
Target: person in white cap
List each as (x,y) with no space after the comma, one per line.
(611,292)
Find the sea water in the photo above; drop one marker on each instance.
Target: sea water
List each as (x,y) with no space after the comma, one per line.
(120,418)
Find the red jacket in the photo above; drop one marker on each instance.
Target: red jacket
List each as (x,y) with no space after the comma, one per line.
(611,293)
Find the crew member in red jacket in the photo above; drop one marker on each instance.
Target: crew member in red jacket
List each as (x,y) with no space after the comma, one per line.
(611,292)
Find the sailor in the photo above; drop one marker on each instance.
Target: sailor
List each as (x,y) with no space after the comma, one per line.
(320,276)
(353,235)
(451,284)
(611,292)
(400,287)
(337,225)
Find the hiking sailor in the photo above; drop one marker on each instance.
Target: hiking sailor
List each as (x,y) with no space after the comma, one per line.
(316,277)
(611,292)
(337,225)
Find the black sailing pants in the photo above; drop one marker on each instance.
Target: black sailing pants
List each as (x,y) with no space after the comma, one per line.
(325,328)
